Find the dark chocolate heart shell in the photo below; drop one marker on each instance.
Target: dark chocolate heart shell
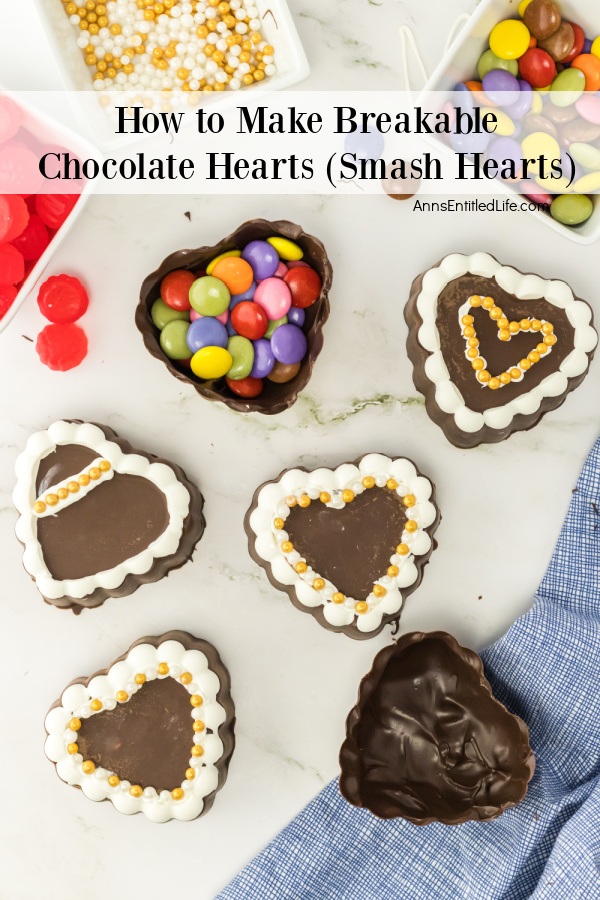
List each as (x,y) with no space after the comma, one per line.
(494,349)
(275,398)
(99,518)
(153,733)
(348,544)
(427,741)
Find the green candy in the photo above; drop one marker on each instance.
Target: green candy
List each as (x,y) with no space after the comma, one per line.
(571,209)
(275,323)
(242,353)
(163,314)
(173,340)
(209,296)
(567,87)
(586,155)
(489,61)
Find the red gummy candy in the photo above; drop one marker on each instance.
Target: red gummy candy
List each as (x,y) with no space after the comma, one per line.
(19,172)
(12,265)
(34,239)
(63,299)
(62,347)
(54,209)
(8,294)
(10,119)
(14,217)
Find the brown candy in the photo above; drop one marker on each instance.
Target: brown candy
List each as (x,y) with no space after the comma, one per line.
(559,44)
(538,123)
(399,188)
(281,373)
(542,18)
(580,131)
(560,115)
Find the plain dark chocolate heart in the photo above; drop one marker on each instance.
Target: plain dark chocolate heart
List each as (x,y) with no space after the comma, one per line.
(350,547)
(500,355)
(147,740)
(117,520)
(427,739)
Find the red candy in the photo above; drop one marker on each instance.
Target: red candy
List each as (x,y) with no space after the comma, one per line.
(63,299)
(305,286)
(8,294)
(577,46)
(62,347)
(19,173)
(14,217)
(537,67)
(250,320)
(246,387)
(10,119)
(33,240)
(54,209)
(12,265)
(175,289)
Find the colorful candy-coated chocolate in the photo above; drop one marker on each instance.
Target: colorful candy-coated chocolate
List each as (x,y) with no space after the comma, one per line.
(262,257)
(537,68)
(173,339)
(242,357)
(247,295)
(363,145)
(249,319)
(509,39)
(289,344)
(502,149)
(281,270)
(63,299)
(162,314)
(223,318)
(12,265)
(211,362)
(579,131)
(542,18)
(217,259)
(209,296)
(282,372)
(305,286)
(296,263)
(246,387)
(11,119)
(273,294)
(264,360)
(588,108)
(175,289)
(62,347)
(561,43)
(540,144)
(55,209)
(523,6)
(286,249)
(587,184)
(595,49)
(521,104)
(590,66)
(560,115)
(587,156)
(296,316)
(489,61)
(33,241)
(504,124)
(274,324)
(206,332)
(571,209)
(531,190)
(579,41)
(235,273)
(470,142)
(533,124)
(500,87)
(567,87)
(14,216)
(8,295)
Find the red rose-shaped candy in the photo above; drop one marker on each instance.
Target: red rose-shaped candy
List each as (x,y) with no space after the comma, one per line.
(63,299)
(62,347)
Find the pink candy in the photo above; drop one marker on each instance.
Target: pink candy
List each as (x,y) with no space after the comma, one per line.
(274,296)
(222,318)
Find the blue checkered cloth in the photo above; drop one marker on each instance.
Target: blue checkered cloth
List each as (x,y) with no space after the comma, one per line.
(547,670)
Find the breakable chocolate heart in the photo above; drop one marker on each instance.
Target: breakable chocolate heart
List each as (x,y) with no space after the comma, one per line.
(346,544)
(275,397)
(493,349)
(153,733)
(97,518)
(427,741)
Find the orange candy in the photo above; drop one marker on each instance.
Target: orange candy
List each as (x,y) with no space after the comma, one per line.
(590,66)
(236,273)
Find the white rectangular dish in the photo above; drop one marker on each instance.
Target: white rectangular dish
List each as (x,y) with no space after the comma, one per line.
(460,63)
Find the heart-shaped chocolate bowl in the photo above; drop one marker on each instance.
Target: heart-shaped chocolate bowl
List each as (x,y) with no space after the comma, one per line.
(427,741)
(275,398)
(98,518)
(347,545)
(152,733)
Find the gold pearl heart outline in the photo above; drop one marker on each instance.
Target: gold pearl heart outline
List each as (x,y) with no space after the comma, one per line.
(506,330)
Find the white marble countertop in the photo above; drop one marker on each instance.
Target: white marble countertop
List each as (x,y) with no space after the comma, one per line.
(293,682)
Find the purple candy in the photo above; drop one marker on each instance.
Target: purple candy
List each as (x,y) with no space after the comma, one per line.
(296,316)
(264,360)
(230,329)
(288,343)
(522,104)
(263,258)
(206,332)
(365,144)
(587,46)
(505,149)
(500,87)
(476,142)
(247,295)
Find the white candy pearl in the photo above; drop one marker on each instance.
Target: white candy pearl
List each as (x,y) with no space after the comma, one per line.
(270,70)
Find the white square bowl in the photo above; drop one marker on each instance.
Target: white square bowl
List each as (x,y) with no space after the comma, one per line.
(459,63)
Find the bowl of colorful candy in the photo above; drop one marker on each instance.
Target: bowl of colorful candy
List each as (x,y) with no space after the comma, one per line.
(242,321)
(536,65)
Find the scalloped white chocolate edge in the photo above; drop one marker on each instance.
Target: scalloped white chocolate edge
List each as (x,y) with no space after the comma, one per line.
(524,287)
(143,659)
(270,504)
(40,445)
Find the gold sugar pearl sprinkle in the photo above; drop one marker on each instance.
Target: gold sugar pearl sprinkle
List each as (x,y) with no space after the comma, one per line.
(114,780)
(475,301)
(547,328)
(190,774)
(361,607)
(104,465)
(73,487)
(515,373)
(502,322)
(505,378)
(411,526)
(178,794)
(478,364)
(196,700)
(51,500)
(278,524)
(368,482)
(393,571)
(338,597)
(483,376)
(535,325)
(550,340)
(402,549)
(318,584)
(325,497)
(541,349)
(62,493)
(379,590)
(94,473)
(409,500)
(140,679)
(74,724)
(198,726)
(467,320)
(301,567)
(494,384)
(392,484)
(88,767)
(84,480)
(287,547)
(163,668)
(197,750)
(72,748)
(347,496)
(524,365)
(488,303)
(121,696)
(304,501)
(39,507)
(96,705)
(495,313)
(136,790)
(186,678)
(469,331)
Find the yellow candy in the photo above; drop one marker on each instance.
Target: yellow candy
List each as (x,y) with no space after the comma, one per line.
(555,185)
(214,261)
(509,39)
(523,6)
(537,103)
(596,48)
(286,249)
(504,124)
(211,362)
(540,144)
(588,184)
